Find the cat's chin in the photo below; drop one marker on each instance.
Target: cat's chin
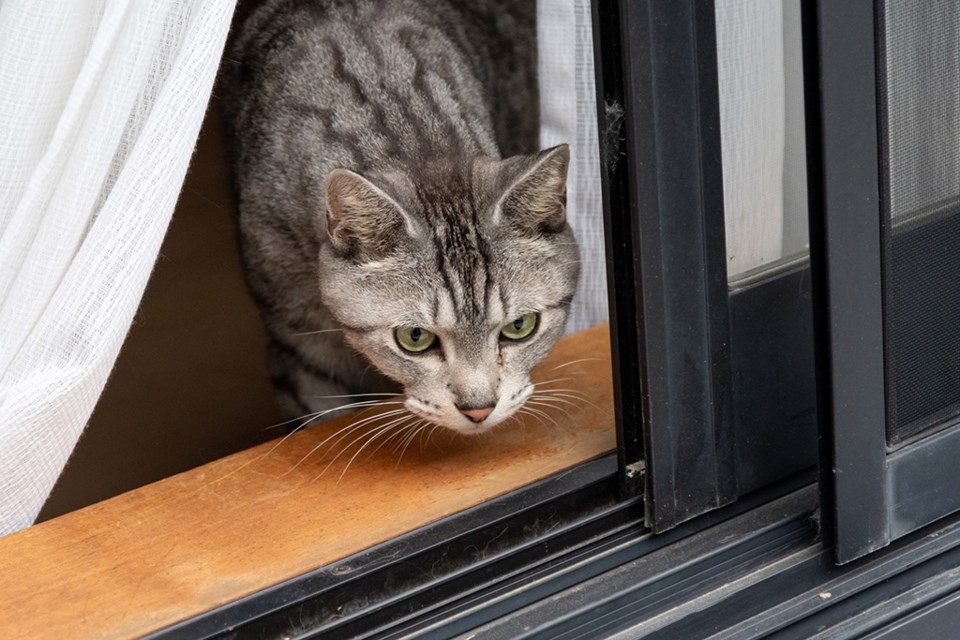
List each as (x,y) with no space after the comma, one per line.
(475,429)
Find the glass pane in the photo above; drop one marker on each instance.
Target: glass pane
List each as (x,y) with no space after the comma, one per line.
(920,94)
(762,131)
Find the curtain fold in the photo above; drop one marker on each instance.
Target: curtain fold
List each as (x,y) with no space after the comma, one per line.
(762,130)
(100,107)
(568,113)
(750,60)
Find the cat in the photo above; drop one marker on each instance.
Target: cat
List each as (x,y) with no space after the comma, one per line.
(398,227)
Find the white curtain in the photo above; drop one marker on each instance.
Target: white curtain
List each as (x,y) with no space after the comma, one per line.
(762,131)
(568,113)
(101,103)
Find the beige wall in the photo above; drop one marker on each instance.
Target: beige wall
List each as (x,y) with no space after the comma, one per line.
(190,384)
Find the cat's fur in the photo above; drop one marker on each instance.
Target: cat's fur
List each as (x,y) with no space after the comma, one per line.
(366,142)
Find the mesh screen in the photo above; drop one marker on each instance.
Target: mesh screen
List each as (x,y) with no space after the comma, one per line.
(920,115)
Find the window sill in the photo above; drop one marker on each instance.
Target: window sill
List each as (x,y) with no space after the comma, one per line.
(195,541)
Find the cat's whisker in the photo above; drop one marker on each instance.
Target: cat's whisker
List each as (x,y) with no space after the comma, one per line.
(362,407)
(407,445)
(547,405)
(366,411)
(400,436)
(394,428)
(574,394)
(367,421)
(313,333)
(422,443)
(205,198)
(558,400)
(405,442)
(367,437)
(366,370)
(397,436)
(561,389)
(400,447)
(431,432)
(372,434)
(433,427)
(319,414)
(531,405)
(309,416)
(536,413)
(563,379)
(380,431)
(523,424)
(345,431)
(572,362)
(356,395)
(312,416)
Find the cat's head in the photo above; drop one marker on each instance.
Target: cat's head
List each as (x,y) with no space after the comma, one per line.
(454,282)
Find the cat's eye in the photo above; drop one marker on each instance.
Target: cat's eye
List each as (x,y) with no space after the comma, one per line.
(521,328)
(414,339)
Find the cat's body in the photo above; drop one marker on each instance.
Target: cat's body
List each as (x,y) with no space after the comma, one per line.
(366,139)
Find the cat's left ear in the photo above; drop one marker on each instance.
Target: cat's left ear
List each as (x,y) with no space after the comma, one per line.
(536,201)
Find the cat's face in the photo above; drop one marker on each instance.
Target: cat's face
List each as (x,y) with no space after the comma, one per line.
(453,284)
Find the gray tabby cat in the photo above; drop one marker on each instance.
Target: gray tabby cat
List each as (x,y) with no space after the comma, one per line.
(379,220)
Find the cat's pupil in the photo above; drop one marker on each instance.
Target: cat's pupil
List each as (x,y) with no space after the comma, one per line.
(415,334)
(518,324)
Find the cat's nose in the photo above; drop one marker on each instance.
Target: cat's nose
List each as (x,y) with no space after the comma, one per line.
(476,415)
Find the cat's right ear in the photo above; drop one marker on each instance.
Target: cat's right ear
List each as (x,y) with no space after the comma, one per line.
(363,222)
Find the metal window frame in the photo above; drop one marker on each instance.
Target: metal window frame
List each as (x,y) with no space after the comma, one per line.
(870,494)
(662,179)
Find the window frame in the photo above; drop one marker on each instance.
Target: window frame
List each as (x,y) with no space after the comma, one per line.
(662,178)
(710,357)
(871,493)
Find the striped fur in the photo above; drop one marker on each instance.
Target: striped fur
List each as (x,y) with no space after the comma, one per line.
(378,156)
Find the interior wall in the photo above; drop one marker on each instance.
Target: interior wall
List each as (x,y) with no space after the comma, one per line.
(190,384)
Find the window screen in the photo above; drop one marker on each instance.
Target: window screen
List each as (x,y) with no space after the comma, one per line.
(919,85)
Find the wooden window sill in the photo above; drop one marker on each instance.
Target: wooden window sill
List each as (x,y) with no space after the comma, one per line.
(189,543)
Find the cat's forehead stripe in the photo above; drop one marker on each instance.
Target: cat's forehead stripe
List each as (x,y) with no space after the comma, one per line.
(462,256)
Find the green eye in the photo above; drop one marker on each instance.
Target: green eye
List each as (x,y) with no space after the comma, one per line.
(521,328)
(414,339)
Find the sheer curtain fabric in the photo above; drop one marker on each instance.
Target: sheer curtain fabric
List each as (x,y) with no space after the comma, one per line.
(762,132)
(568,113)
(100,108)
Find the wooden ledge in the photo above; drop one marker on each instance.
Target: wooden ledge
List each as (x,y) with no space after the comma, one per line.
(182,546)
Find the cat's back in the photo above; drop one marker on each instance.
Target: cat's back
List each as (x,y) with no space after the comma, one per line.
(375,80)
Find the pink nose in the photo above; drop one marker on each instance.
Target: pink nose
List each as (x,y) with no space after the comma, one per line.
(477,415)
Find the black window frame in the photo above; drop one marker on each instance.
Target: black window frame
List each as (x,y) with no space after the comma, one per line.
(663,179)
(716,363)
(872,493)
